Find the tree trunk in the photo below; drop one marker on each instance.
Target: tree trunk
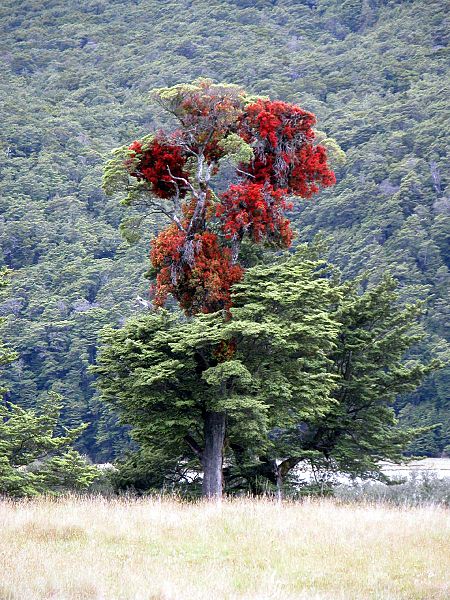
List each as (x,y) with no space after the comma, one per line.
(214,430)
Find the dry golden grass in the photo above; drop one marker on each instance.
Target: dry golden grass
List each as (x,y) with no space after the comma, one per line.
(95,548)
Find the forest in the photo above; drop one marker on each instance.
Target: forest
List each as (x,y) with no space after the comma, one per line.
(76,83)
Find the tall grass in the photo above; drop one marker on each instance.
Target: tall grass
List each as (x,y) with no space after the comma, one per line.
(95,548)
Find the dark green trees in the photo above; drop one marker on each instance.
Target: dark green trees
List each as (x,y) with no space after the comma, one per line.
(33,457)
(195,392)
(373,75)
(368,361)
(306,369)
(371,361)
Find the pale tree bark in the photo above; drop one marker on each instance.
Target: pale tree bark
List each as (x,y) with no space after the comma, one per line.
(212,456)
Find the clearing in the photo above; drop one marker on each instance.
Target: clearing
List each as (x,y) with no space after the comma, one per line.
(128,549)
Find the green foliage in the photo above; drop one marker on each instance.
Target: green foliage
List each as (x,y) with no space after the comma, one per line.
(307,369)
(145,470)
(268,364)
(75,82)
(357,428)
(361,429)
(6,355)
(34,459)
(237,151)
(437,438)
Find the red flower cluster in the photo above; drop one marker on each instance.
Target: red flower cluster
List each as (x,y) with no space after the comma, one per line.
(156,162)
(310,171)
(165,255)
(192,263)
(198,273)
(285,156)
(256,209)
(277,122)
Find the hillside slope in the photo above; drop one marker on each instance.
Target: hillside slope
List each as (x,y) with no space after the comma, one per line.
(76,77)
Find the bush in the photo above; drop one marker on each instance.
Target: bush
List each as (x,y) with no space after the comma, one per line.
(420,489)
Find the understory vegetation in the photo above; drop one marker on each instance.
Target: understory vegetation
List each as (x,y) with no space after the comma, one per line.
(418,489)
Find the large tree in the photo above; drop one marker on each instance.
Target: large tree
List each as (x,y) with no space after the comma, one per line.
(225,175)
(371,367)
(265,368)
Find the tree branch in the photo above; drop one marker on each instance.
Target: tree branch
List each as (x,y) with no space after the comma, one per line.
(196,449)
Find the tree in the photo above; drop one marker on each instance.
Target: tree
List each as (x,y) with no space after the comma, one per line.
(33,458)
(267,365)
(185,176)
(371,369)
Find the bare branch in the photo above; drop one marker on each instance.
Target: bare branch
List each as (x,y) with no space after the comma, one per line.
(170,215)
(182,179)
(193,446)
(245,173)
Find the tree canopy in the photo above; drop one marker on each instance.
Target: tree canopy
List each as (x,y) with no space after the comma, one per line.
(270,149)
(306,369)
(173,380)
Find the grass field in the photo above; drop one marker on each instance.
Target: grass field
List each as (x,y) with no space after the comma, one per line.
(95,548)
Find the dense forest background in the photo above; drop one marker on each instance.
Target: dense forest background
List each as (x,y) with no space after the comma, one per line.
(75,83)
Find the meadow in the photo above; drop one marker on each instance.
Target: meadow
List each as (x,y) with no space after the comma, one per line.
(161,549)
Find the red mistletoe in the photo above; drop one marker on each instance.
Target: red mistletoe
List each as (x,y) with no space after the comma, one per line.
(255,209)
(162,164)
(199,278)
(196,258)
(285,154)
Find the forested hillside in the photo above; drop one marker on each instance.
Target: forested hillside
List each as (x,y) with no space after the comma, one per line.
(76,77)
